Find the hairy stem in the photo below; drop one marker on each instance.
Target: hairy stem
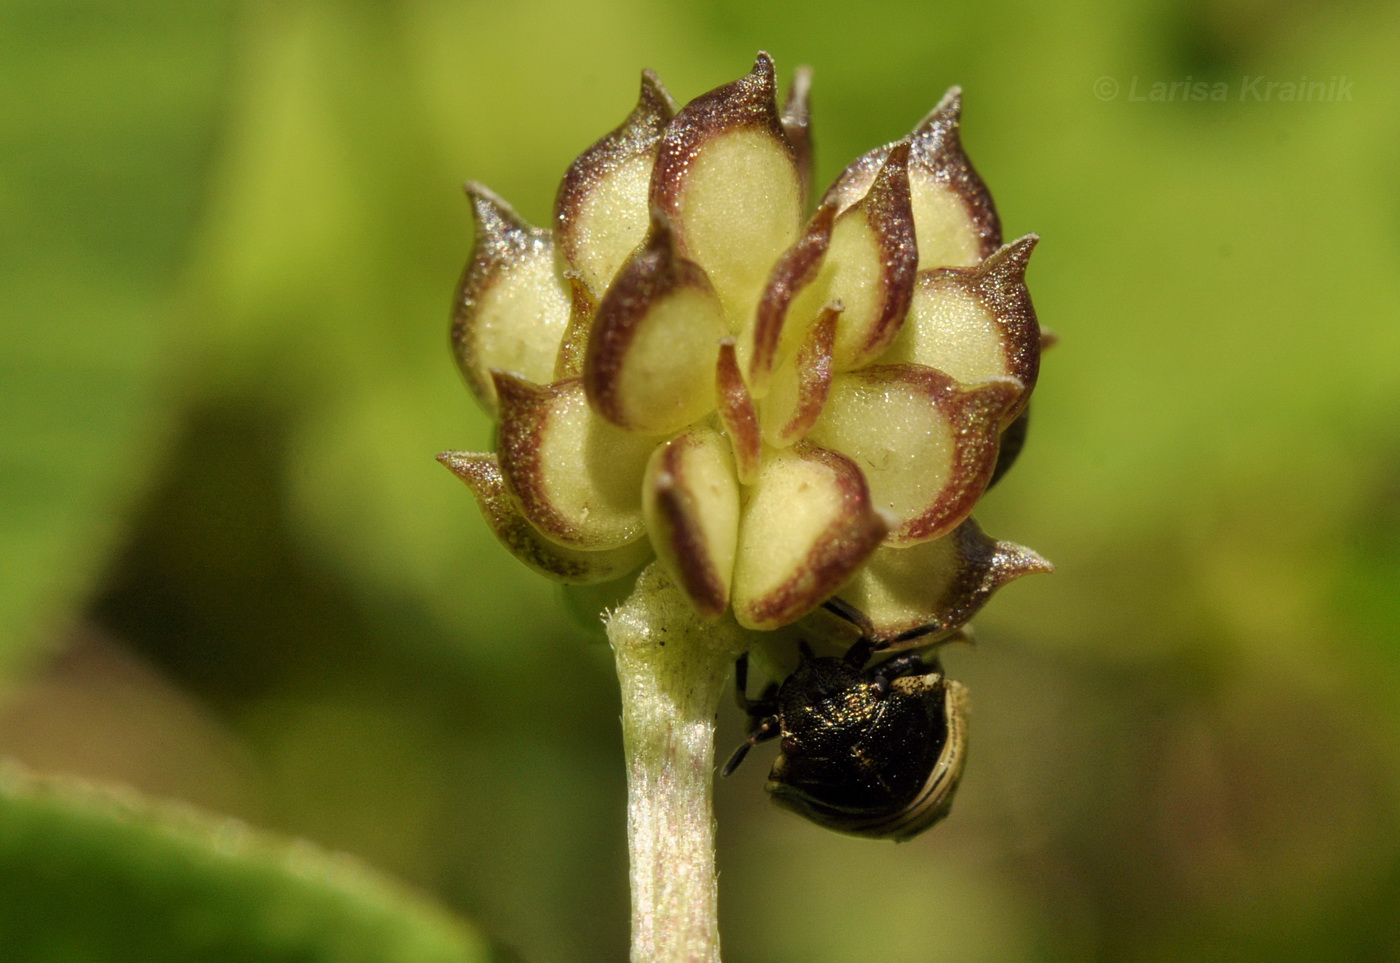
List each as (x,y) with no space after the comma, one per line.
(672,668)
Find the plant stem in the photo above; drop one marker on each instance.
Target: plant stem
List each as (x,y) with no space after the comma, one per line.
(672,668)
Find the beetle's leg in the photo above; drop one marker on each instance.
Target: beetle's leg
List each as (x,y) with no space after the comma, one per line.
(901,665)
(766,729)
(764,706)
(741,681)
(755,709)
(914,633)
(860,652)
(862,622)
(864,647)
(853,615)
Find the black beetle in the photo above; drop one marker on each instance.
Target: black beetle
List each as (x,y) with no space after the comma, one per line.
(869,750)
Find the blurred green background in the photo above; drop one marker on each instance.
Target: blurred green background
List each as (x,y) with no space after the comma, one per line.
(234,575)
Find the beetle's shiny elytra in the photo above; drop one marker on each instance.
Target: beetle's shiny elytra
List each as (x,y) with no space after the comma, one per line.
(872,751)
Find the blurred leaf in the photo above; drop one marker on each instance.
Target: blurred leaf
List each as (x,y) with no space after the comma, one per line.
(104,125)
(97,875)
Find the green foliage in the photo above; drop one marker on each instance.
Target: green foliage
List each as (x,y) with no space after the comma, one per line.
(101,164)
(94,874)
